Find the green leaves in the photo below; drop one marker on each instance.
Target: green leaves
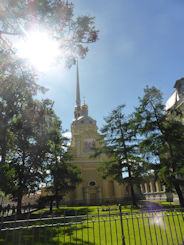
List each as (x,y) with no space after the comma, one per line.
(162,138)
(123,162)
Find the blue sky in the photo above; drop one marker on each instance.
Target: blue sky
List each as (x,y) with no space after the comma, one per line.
(140,43)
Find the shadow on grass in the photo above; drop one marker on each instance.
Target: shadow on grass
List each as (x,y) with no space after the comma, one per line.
(45,235)
(29,236)
(148,205)
(158,205)
(72,211)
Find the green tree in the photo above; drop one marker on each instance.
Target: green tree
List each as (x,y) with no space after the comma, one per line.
(123,163)
(26,164)
(162,139)
(56,17)
(25,125)
(16,90)
(31,143)
(12,91)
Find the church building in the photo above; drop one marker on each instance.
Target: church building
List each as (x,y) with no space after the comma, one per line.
(93,189)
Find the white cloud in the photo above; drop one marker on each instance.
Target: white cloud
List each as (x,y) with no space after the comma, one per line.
(67,135)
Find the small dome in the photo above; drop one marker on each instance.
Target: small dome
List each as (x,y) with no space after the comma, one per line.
(84,106)
(84,110)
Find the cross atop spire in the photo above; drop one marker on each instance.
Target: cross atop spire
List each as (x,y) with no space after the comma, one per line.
(78,103)
(84,99)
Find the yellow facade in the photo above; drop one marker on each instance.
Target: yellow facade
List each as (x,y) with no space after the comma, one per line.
(93,188)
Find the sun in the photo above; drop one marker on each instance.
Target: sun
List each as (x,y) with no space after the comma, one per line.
(39,49)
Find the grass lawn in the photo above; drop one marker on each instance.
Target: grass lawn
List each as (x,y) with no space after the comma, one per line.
(165,227)
(84,210)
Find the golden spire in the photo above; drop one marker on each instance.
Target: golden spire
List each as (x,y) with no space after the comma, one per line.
(77,88)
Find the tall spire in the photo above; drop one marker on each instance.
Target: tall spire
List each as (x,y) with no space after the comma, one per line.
(78,103)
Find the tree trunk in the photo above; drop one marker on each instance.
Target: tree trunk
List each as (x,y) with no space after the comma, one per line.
(19,204)
(51,205)
(57,199)
(134,199)
(3,146)
(180,194)
(57,202)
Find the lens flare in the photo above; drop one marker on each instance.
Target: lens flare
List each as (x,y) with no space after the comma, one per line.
(158,220)
(39,49)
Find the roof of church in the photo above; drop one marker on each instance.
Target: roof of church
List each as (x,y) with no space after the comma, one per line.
(178,82)
(172,100)
(84,120)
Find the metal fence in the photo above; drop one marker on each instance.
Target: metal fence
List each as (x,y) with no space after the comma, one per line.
(106,227)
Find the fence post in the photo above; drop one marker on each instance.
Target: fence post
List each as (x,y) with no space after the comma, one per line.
(121,220)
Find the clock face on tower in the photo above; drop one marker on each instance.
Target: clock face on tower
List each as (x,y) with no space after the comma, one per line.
(88,145)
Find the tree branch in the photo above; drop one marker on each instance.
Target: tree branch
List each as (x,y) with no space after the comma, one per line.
(9,33)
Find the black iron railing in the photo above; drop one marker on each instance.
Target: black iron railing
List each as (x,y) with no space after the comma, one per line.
(108,227)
